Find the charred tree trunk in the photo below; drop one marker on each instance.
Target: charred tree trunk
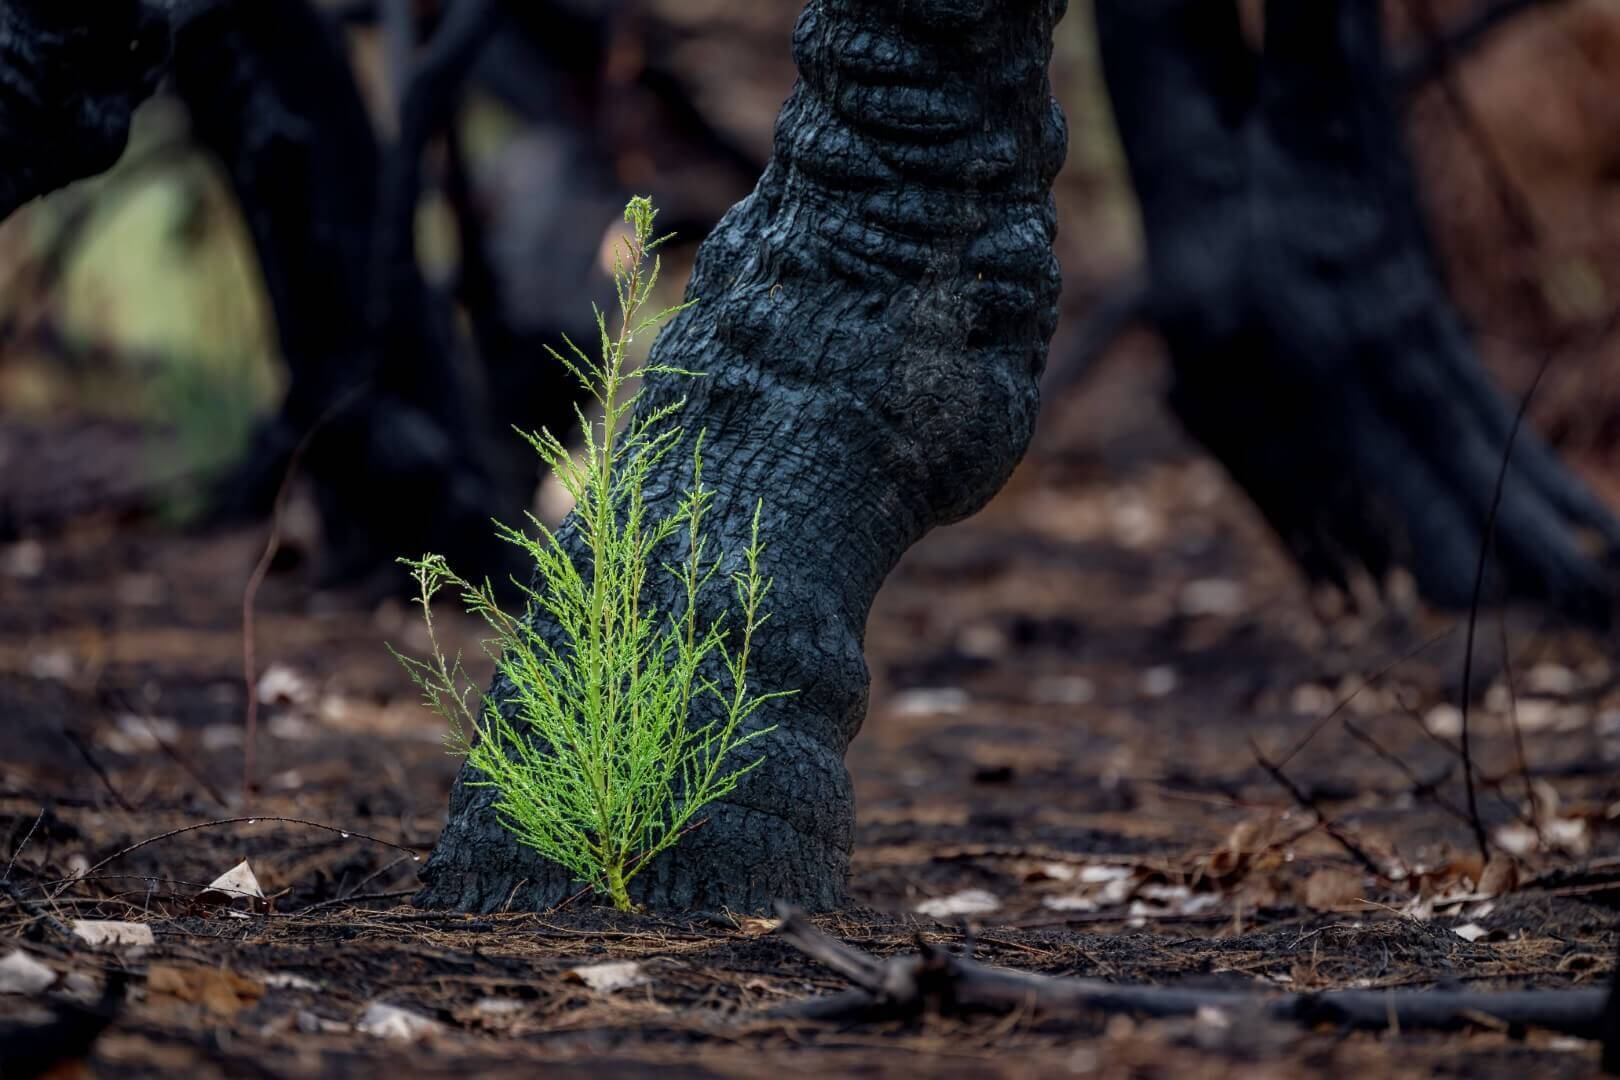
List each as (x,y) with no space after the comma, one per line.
(872,319)
(70,79)
(1316,351)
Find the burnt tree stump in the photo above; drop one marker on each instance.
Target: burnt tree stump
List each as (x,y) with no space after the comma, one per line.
(872,321)
(1316,350)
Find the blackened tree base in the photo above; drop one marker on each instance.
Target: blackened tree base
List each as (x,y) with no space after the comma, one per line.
(1317,353)
(872,321)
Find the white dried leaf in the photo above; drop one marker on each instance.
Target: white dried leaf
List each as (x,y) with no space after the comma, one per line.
(1198,904)
(966,902)
(22,974)
(57,665)
(1553,679)
(932,701)
(237,883)
(1063,690)
(1567,834)
(25,559)
(1157,682)
(1072,902)
(392,1022)
(1419,908)
(984,641)
(1444,721)
(291,727)
(1212,596)
(106,932)
(217,737)
(1517,838)
(1164,894)
(1470,933)
(492,1006)
(282,980)
(314,1024)
(1096,875)
(281,685)
(606,978)
(1116,892)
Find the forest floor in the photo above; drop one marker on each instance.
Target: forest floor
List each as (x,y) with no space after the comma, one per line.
(1071,691)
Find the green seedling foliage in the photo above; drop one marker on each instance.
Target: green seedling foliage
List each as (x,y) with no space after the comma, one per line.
(600,760)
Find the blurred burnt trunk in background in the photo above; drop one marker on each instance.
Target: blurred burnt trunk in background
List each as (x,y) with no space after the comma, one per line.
(872,322)
(377,369)
(414,449)
(1316,350)
(68,88)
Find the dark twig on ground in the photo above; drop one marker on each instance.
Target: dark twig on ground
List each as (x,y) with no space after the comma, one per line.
(261,570)
(1421,787)
(170,751)
(1521,759)
(1480,837)
(1611,1027)
(35,909)
(935,979)
(76,741)
(12,864)
(346,834)
(1340,837)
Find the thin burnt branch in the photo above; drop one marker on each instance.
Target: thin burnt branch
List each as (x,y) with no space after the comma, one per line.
(1306,802)
(908,986)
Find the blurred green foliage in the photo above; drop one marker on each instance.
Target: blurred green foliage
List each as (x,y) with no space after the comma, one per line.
(154,311)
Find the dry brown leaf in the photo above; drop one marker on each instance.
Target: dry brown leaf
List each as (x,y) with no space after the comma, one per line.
(219,992)
(757,926)
(1248,838)
(1331,888)
(1501,875)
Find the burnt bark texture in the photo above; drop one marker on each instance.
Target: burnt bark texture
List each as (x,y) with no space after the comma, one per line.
(71,74)
(1316,351)
(872,320)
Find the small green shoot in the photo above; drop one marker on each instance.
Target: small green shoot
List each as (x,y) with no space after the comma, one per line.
(598,759)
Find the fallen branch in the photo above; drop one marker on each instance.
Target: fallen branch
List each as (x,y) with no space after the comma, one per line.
(35,910)
(938,980)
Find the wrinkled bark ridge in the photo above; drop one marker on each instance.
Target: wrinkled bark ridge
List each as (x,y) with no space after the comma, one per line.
(872,321)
